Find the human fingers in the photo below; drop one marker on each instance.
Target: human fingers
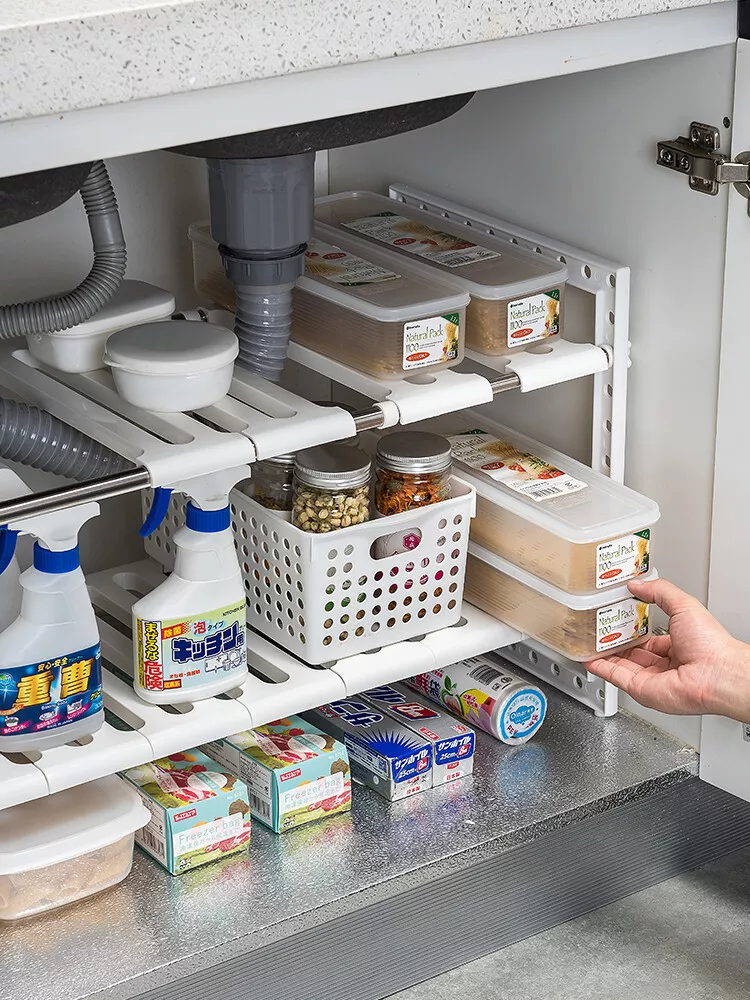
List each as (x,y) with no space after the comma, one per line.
(661,645)
(618,670)
(647,658)
(665,595)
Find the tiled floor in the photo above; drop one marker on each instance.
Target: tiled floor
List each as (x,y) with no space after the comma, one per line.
(686,939)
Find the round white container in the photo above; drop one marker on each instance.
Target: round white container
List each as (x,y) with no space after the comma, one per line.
(81,348)
(174,366)
(66,846)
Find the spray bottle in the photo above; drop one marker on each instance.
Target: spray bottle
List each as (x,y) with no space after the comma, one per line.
(190,633)
(11,486)
(50,657)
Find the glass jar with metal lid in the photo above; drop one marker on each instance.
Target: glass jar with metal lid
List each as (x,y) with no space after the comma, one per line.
(272,482)
(331,488)
(413,469)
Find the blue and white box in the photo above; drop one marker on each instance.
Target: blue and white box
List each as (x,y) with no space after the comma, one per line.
(385,755)
(452,741)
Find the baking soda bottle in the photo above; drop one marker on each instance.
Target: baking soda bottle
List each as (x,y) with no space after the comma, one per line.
(190,633)
(50,657)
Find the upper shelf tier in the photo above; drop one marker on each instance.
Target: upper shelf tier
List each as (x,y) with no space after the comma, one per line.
(82,79)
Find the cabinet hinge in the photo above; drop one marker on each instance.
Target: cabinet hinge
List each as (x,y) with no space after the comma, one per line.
(698,156)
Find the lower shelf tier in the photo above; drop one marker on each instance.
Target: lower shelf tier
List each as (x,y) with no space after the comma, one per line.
(277,685)
(365,904)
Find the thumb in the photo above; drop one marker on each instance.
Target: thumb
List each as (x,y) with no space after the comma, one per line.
(665,595)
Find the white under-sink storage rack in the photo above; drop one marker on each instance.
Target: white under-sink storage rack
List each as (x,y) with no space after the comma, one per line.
(323,597)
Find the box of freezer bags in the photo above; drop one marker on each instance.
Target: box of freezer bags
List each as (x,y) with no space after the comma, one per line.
(294,772)
(199,811)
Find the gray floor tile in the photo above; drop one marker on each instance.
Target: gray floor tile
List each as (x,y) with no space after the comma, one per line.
(686,939)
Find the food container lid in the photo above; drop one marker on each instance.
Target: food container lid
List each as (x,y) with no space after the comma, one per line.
(414,452)
(580,506)
(588,601)
(68,824)
(507,272)
(375,282)
(177,346)
(133,302)
(333,466)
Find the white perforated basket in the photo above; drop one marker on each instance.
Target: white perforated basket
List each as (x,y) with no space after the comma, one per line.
(323,597)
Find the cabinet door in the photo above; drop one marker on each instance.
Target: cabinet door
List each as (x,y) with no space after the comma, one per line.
(725,744)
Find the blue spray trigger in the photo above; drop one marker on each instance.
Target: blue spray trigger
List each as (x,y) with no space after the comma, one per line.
(8,539)
(159,508)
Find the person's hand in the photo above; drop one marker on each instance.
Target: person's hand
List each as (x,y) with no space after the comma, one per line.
(697,669)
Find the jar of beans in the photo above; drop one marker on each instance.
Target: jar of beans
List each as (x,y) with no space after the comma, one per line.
(331,488)
(272,482)
(413,469)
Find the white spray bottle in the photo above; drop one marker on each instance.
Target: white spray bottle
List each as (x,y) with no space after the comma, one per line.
(190,633)
(50,657)
(11,487)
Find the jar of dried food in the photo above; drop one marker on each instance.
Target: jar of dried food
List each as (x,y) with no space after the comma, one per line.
(413,469)
(272,482)
(331,488)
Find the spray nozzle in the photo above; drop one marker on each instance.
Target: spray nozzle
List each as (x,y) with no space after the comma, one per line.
(208,494)
(56,532)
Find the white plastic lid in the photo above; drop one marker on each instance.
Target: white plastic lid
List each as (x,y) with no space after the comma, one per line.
(410,293)
(576,602)
(68,824)
(511,272)
(176,346)
(600,511)
(133,302)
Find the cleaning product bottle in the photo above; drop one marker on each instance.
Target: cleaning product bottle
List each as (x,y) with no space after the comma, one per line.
(190,633)
(11,486)
(50,657)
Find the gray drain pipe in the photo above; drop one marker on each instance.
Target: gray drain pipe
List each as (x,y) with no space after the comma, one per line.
(97,288)
(261,217)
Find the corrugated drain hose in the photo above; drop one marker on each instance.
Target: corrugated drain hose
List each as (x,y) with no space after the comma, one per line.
(97,288)
(34,437)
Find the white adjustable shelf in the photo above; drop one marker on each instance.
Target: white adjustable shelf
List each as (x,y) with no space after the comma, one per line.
(255,420)
(280,685)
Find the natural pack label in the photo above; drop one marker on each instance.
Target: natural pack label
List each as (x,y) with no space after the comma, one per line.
(420,239)
(183,653)
(430,341)
(623,558)
(620,623)
(323,260)
(533,318)
(526,474)
(50,693)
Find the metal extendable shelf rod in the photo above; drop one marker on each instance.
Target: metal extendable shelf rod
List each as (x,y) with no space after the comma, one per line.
(140,478)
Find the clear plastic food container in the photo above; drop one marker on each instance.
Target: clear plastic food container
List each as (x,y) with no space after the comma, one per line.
(579,626)
(549,514)
(66,846)
(517,297)
(369,309)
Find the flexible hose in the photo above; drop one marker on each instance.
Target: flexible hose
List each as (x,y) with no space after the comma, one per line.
(34,437)
(262,323)
(97,288)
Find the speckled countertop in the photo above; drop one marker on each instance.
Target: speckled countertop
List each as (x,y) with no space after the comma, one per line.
(577,766)
(61,55)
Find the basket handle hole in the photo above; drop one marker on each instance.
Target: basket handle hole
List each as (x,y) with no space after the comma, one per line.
(397,543)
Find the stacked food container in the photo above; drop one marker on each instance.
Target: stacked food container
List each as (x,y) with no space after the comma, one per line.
(517,297)
(553,544)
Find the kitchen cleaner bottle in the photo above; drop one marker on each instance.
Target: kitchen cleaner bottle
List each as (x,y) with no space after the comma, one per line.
(50,656)
(190,632)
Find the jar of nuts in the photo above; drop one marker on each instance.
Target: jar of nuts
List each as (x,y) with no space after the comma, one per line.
(272,482)
(331,488)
